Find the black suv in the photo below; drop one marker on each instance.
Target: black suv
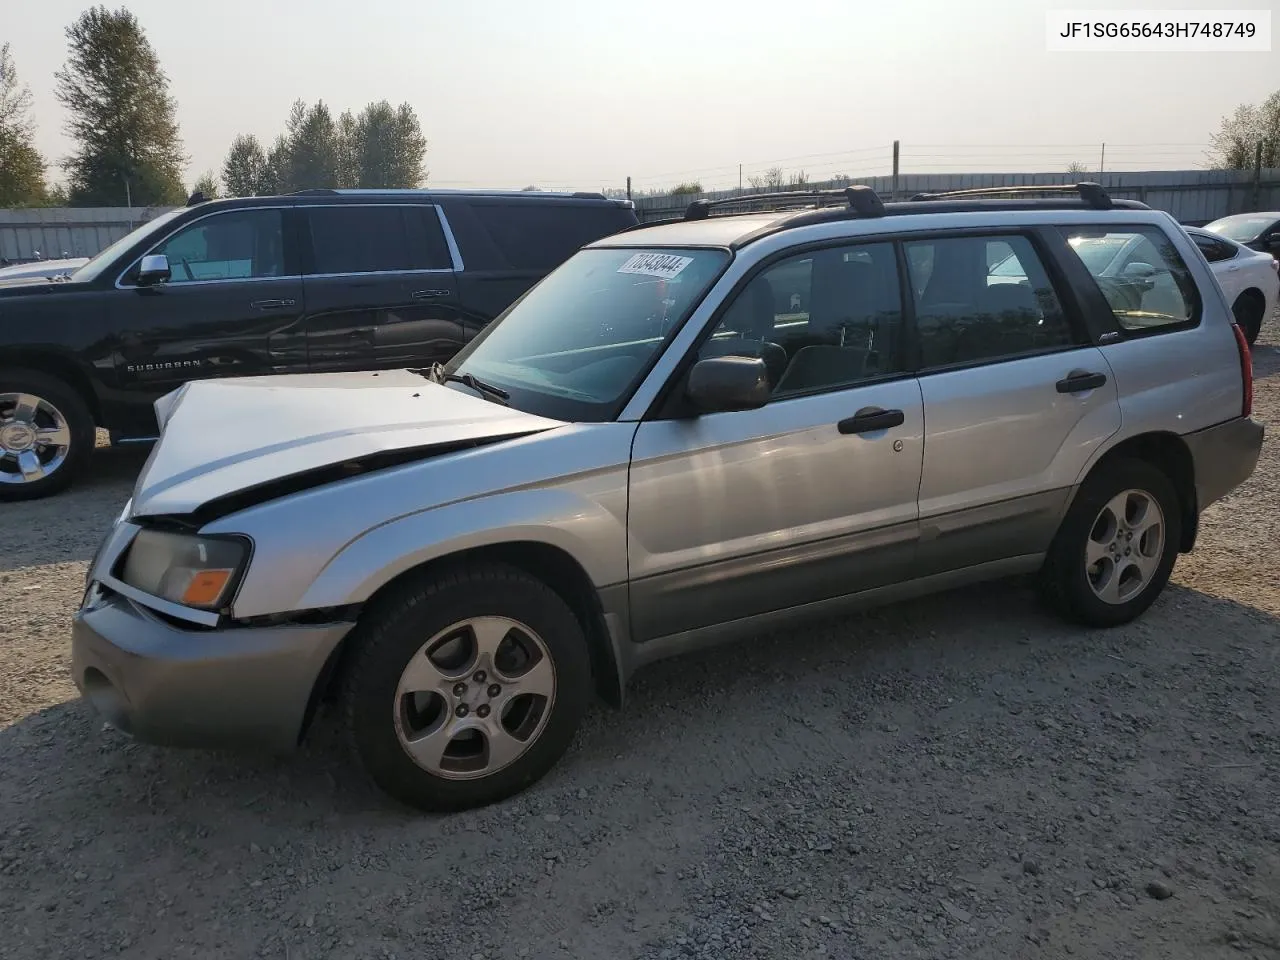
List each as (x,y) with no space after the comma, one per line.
(321,280)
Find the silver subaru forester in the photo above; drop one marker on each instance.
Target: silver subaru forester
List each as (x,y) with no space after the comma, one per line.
(689,432)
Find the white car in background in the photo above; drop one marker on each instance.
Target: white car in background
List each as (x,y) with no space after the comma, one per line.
(42,269)
(1249,278)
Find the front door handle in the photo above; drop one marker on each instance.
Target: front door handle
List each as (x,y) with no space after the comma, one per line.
(1079,382)
(271,304)
(870,419)
(429,294)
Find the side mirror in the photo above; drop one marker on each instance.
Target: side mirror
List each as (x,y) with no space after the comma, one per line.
(720,384)
(153,270)
(1140,270)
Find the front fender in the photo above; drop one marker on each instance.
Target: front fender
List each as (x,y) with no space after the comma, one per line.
(337,543)
(576,524)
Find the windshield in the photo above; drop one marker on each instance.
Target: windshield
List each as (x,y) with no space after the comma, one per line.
(93,269)
(573,347)
(1097,252)
(1240,229)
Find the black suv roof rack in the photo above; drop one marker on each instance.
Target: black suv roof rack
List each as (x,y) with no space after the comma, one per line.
(862,200)
(1091,194)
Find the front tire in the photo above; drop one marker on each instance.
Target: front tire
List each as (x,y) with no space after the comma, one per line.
(465,687)
(47,434)
(1116,547)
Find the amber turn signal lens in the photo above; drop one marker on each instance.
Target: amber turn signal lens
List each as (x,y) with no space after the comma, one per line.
(206,587)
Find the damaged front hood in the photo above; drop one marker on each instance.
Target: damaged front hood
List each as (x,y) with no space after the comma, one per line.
(220,438)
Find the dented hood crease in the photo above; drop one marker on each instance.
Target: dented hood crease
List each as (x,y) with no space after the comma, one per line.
(220,437)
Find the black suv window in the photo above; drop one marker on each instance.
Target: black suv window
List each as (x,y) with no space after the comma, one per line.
(538,236)
(375,239)
(983,298)
(237,245)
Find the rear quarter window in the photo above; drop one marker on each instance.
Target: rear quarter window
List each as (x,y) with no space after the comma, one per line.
(541,236)
(1142,276)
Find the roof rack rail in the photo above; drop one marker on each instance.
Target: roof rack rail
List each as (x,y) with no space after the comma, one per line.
(315,192)
(1091,194)
(862,199)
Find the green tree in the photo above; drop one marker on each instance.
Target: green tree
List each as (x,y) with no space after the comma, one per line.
(275,172)
(21,166)
(122,117)
(689,187)
(208,185)
(1236,142)
(348,142)
(388,147)
(312,157)
(55,196)
(244,169)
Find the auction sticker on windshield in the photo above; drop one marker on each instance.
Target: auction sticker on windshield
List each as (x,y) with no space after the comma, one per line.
(662,265)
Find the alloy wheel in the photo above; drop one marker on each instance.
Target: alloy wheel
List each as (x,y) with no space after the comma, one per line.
(35,438)
(475,697)
(1125,546)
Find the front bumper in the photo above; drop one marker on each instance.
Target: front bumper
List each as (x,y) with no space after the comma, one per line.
(237,687)
(1224,456)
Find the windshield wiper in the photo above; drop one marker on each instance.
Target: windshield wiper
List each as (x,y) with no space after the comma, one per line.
(436,374)
(479,386)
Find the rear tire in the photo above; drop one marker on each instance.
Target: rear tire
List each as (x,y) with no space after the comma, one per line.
(47,434)
(1116,547)
(465,687)
(1248,311)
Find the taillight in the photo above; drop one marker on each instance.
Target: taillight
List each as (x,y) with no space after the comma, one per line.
(1246,369)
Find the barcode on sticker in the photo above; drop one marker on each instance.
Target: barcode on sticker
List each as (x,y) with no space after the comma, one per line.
(662,265)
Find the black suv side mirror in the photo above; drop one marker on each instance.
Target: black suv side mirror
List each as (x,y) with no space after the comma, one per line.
(154,269)
(720,384)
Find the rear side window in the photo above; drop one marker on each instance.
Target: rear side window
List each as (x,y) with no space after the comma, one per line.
(541,236)
(1140,273)
(359,240)
(980,299)
(1214,249)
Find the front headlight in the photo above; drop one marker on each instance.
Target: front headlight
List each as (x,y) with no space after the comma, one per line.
(183,568)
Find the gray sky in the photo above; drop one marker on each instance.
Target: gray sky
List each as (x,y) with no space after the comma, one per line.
(583,94)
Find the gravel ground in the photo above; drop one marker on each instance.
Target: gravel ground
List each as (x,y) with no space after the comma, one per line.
(923,781)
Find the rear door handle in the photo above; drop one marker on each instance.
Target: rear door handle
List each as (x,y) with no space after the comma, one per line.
(271,304)
(870,419)
(1080,382)
(429,294)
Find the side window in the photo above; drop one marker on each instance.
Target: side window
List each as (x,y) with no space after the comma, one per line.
(984,298)
(821,320)
(426,240)
(1214,250)
(239,245)
(1146,283)
(359,239)
(540,236)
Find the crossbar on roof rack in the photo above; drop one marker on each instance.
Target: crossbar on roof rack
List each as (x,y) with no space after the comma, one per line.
(1092,194)
(860,198)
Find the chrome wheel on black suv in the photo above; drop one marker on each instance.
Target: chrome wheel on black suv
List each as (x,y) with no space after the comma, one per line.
(46,434)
